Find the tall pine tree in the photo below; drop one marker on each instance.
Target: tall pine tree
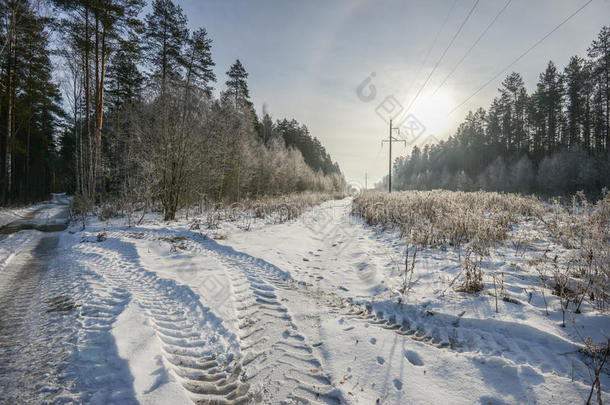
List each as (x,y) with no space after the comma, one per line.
(237,86)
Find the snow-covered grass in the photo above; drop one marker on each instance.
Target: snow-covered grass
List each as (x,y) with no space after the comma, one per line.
(539,264)
(439,218)
(482,221)
(278,209)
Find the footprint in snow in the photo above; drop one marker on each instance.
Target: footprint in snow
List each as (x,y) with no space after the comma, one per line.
(305,259)
(362,266)
(413,358)
(380,360)
(398,384)
(287,334)
(373,341)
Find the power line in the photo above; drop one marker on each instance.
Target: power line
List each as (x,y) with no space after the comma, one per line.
(443,54)
(390,140)
(473,45)
(438,33)
(519,57)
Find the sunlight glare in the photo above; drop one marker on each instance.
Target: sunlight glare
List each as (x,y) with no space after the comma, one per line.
(433,113)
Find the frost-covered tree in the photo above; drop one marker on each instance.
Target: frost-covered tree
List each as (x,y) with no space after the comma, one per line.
(553,141)
(599,52)
(167,142)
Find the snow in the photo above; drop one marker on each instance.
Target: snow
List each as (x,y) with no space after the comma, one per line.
(136,340)
(8,215)
(301,311)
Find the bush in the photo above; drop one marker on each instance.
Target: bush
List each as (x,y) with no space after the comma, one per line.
(81,206)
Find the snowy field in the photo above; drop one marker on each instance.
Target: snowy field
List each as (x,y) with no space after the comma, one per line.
(312,310)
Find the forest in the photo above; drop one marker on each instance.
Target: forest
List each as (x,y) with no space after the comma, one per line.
(99,102)
(554,141)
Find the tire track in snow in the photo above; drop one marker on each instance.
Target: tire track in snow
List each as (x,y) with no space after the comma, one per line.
(484,340)
(193,340)
(95,370)
(55,319)
(277,360)
(514,344)
(35,336)
(52,337)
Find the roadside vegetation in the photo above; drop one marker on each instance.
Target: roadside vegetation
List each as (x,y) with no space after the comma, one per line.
(478,222)
(564,245)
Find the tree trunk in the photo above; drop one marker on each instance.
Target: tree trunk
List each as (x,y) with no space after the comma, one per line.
(87,186)
(99,116)
(9,114)
(607,74)
(96,106)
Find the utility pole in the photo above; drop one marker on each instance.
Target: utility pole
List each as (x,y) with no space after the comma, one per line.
(390,140)
(365,180)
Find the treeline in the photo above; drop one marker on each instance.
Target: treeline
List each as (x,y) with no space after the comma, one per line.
(297,136)
(30,107)
(142,124)
(554,141)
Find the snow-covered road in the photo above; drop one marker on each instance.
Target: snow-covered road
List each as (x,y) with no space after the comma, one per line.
(300,312)
(33,341)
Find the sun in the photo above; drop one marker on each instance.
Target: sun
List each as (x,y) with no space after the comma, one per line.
(433,112)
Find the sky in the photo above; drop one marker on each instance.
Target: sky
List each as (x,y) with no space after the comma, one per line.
(345,67)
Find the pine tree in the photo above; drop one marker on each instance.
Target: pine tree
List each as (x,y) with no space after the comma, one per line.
(124,89)
(266,129)
(550,96)
(537,125)
(599,52)
(494,126)
(166,34)
(575,79)
(199,63)
(513,98)
(237,86)
(94,30)
(125,81)
(30,104)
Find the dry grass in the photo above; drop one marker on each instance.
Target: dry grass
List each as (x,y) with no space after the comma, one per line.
(437,219)
(278,209)
(481,221)
(585,228)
